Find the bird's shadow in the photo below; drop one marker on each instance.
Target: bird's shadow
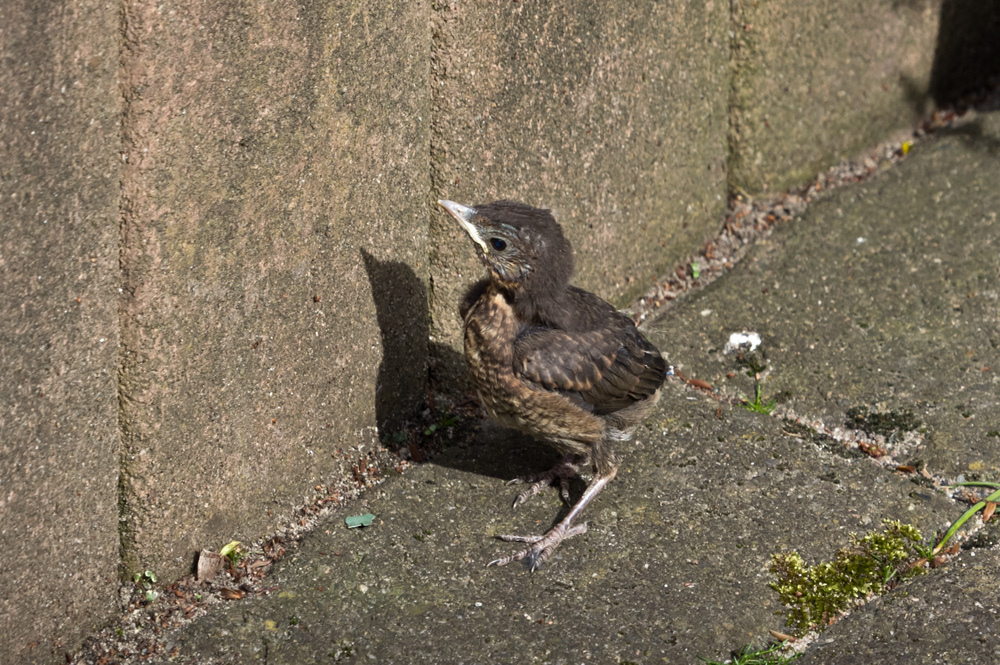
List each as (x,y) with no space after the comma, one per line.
(504,454)
(409,358)
(967,52)
(975,137)
(401,309)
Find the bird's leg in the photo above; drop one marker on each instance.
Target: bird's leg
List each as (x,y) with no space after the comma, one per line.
(563,470)
(542,546)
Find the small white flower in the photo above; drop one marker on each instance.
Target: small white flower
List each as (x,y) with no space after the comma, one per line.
(745,340)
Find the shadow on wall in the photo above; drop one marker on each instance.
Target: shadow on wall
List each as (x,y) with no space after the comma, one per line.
(403,315)
(401,308)
(407,355)
(967,53)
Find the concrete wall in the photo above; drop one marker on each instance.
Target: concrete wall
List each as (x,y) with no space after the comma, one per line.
(276,172)
(59,442)
(221,261)
(616,120)
(814,84)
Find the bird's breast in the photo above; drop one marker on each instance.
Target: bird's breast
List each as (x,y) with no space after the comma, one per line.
(491,327)
(490,330)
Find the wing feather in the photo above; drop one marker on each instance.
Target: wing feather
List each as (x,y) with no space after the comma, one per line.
(609,369)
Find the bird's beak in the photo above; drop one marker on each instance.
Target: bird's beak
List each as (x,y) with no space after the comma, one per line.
(464,215)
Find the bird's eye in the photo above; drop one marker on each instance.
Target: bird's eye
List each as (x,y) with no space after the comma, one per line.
(498,244)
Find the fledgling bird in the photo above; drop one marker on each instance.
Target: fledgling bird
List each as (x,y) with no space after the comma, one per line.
(549,359)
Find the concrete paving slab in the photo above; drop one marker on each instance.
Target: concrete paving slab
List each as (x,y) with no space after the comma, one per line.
(883,297)
(674,565)
(950,617)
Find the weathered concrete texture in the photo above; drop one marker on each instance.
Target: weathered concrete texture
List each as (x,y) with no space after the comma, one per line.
(674,566)
(274,257)
(616,120)
(816,83)
(884,296)
(59,170)
(946,618)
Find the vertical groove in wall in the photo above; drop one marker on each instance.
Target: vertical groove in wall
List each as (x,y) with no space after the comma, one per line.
(437,74)
(733,73)
(127,45)
(437,150)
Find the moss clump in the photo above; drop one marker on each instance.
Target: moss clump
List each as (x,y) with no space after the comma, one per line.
(816,594)
(890,425)
(824,441)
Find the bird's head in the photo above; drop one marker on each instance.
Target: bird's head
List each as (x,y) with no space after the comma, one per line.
(523,247)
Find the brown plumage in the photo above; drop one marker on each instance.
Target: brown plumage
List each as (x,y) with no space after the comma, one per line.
(550,359)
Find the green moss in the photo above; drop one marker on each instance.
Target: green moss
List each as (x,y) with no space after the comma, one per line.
(890,424)
(816,594)
(824,441)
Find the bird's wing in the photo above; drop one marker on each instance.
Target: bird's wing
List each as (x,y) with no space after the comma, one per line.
(610,369)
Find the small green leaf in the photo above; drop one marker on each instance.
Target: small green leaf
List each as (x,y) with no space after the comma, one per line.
(971,511)
(695,269)
(355,521)
(230,548)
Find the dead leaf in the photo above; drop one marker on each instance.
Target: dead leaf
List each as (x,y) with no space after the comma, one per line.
(698,383)
(988,511)
(231,594)
(415,452)
(871,449)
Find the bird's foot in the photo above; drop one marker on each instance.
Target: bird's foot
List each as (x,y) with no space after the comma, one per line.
(563,470)
(541,546)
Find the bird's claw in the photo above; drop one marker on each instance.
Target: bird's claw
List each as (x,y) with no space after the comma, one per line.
(540,546)
(537,482)
(538,485)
